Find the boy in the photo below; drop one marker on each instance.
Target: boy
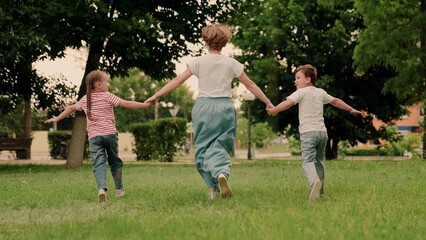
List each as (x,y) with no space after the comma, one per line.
(313,133)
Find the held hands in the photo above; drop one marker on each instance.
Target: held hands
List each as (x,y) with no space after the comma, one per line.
(146,104)
(356,112)
(151,100)
(271,110)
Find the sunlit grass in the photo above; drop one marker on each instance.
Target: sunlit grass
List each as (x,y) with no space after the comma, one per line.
(363,200)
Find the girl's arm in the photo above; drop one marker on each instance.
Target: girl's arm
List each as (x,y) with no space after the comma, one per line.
(133,104)
(68,110)
(173,84)
(253,88)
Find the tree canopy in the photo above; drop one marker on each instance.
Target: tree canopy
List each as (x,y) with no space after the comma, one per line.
(395,37)
(138,87)
(277,36)
(24,42)
(121,35)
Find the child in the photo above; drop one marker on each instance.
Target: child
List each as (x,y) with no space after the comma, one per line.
(313,133)
(98,104)
(214,115)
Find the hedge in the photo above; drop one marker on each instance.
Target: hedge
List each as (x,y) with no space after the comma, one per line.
(158,139)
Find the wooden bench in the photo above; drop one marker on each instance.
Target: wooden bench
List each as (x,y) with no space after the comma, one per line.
(22,146)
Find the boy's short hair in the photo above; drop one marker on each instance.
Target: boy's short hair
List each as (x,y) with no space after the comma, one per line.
(216,36)
(309,71)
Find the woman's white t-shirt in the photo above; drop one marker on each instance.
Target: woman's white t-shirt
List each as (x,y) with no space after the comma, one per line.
(215,73)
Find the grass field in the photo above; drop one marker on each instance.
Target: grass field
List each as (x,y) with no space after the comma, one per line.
(363,200)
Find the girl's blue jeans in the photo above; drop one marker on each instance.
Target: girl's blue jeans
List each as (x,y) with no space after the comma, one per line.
(103,150)
(313,146)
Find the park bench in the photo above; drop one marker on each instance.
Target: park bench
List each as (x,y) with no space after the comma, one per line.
(22,146)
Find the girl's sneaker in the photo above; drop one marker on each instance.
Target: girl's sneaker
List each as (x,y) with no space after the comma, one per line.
(212,195)
(119,192)
(225,190)
(102,195)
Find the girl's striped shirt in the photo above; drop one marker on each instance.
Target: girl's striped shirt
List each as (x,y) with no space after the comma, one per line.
(102,113)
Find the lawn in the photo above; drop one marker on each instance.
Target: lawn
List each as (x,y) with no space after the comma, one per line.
(363,200)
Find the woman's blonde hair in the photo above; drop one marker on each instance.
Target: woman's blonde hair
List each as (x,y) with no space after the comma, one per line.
(92,78)
(216,36)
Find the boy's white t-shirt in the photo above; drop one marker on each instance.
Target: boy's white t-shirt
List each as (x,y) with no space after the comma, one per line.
(215,73)
(311,102)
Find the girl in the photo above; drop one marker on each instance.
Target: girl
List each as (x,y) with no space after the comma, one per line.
(98,105)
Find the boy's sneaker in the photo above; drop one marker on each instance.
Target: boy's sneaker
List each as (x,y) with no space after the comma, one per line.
(119,192)
(102,195)
(225,190)
(315,191)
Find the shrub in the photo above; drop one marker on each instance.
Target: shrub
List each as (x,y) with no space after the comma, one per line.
(158,139)
(58,144)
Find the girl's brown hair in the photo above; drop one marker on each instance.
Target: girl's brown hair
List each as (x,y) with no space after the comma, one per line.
(309,71)
(92,78)
(216,36)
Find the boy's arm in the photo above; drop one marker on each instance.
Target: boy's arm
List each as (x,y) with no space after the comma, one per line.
(68,110)
(342,105)
(284,105)
(133,104)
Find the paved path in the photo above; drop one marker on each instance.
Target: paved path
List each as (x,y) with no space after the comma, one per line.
(7,157)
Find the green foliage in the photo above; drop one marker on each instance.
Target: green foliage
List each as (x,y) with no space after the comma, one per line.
(23,27)
(294,145)
(59,143)
(261,134)
(11,123)
(366,152)
(397,145)
(277,36)
(138,87)
(128,34)
(394,36)
(159,139)
(144,147)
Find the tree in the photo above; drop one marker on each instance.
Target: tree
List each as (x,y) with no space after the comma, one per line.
(23,43)
(277,36)
(261,134)
(395,37)
(138,87)
(121,35)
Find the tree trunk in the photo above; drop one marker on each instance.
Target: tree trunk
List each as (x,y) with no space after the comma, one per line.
(424,132)
(27,119)
(331,150)
(78,137)
(423,49)
(78,141)
(26,154)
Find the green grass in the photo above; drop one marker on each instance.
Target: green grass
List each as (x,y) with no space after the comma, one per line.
(363,200)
